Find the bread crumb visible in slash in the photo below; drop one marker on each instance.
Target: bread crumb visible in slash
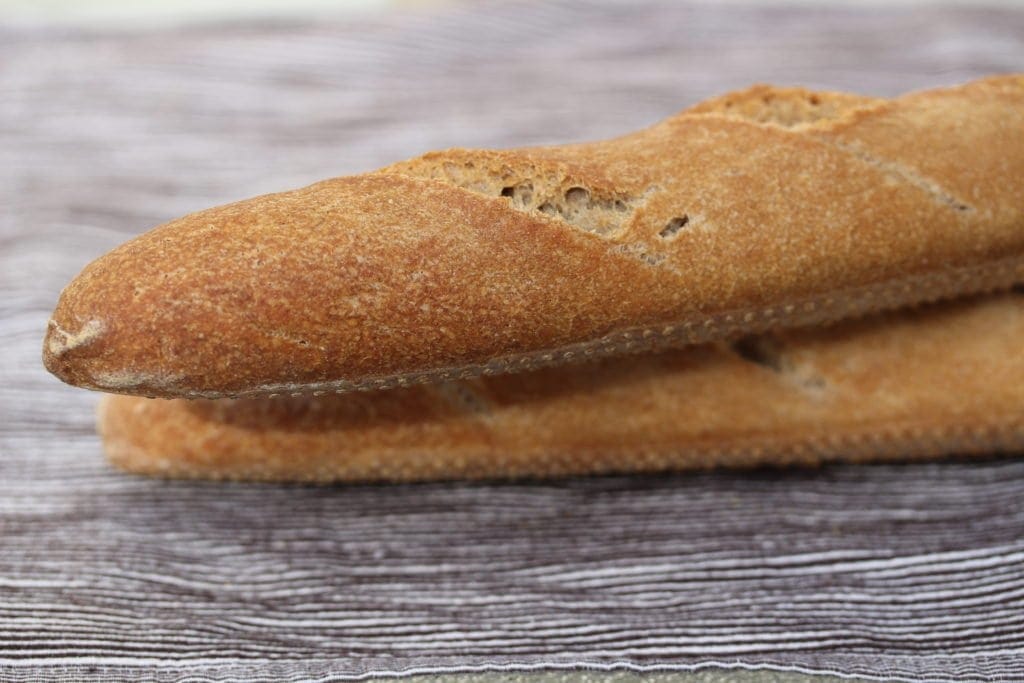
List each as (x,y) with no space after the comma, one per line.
(63,341)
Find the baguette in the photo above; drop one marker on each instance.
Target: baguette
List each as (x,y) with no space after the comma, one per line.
(946,379)
(763,209)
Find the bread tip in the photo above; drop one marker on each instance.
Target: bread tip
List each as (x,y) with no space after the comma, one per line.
(75,357)
(59,341)
(60,346)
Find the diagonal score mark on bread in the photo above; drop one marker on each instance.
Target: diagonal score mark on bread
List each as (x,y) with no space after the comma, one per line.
(549,187)
(947,379)
(470,262)
(818,112)
(533,186)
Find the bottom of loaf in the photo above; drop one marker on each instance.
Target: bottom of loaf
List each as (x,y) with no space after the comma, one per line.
(945,379)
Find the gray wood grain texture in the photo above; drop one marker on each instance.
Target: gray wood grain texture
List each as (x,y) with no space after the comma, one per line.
(904,573)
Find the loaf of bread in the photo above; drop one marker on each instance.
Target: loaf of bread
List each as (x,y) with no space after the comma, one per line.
(758,210)
(946,379)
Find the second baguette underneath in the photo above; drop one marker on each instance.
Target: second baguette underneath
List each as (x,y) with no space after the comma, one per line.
(947,379)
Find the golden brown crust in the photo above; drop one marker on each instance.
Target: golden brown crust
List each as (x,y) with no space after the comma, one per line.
(947,379)
(783,106)
(462,262)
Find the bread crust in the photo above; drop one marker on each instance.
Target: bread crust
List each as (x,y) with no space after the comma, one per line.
(791,208)
(945,379)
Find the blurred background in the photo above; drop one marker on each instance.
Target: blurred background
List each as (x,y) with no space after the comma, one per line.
(116,116)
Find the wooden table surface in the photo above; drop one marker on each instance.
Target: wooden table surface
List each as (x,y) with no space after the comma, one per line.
(897,572)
